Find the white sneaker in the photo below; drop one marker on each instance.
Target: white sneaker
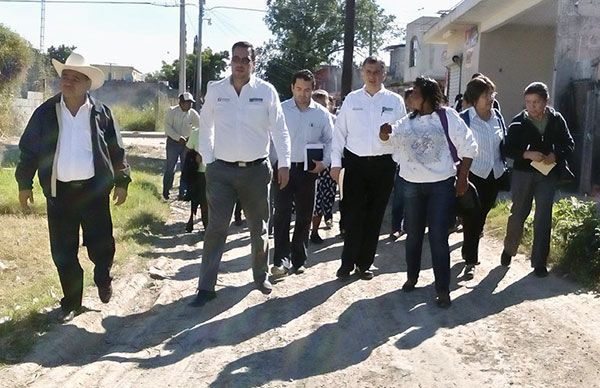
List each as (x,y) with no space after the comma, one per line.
(278,271)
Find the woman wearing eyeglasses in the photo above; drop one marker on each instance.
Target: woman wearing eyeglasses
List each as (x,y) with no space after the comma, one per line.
(488,166)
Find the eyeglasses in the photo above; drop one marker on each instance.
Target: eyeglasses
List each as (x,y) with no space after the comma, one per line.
(239,60)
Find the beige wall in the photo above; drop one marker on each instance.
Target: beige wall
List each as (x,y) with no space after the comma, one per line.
(514,56)
(429,58)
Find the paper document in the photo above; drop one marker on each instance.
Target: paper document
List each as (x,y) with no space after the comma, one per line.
(312,152)
(543,167)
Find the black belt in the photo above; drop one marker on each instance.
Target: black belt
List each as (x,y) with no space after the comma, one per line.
(351,155)
(297,165)
(242,164)
(75,184)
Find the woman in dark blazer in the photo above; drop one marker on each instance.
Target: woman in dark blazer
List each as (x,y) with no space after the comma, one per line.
(539,141)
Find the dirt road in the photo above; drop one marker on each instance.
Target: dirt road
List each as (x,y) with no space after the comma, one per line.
(505,327)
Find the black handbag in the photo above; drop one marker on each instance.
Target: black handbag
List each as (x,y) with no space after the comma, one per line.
(468,203)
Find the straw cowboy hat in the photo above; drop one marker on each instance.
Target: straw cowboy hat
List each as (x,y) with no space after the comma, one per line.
(78,63)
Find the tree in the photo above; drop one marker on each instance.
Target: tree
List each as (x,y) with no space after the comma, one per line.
(60,53)
(15,58)
(310,32)
(213,64)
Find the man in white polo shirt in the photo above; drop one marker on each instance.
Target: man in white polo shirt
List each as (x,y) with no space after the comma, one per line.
(239,117)
(369,167)
(308,123)
(74,145)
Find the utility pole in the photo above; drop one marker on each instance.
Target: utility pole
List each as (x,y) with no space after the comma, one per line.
(371,35)
(199,53)
(42,26)
(347,66)
(182,86)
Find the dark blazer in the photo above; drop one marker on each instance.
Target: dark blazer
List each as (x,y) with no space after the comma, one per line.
(524,136)
(40,138)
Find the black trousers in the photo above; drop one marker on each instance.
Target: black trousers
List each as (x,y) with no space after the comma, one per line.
(368,182)
(197,194)
(80,204)
(473,223)
(300,191)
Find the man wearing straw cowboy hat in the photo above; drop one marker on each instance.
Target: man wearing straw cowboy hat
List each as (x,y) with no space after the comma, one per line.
(74,145)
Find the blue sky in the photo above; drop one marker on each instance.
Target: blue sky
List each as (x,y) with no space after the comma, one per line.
(143,35)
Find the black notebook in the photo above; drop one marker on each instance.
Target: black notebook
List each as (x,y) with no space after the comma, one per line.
(312,152)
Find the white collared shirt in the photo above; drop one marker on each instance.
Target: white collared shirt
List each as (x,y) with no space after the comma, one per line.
(238,128)
(423,148)
(488,135)
(357,124)
(75,160)
(179,123)
(311,126)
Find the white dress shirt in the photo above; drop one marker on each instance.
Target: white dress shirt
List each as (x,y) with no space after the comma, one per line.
(357,124)
(179,123)
(311,126)
(75,159)
(488,135)
(424,151)
(238,128)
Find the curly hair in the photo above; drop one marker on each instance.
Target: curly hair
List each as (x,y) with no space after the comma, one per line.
(430,91)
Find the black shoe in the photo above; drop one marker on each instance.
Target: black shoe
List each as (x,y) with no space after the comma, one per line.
(364,275)
(409,285)
(105,292)
(189,226)
(238,221)
(442,300)
(65,316)
(203,297)
(265,287)
(316,239)
(505,259)
(469,271)
(342,274)
(165,196)
(540,272)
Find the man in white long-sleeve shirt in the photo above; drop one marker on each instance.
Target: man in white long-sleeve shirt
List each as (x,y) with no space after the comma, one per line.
(179,121)
(369,168)
(239,117)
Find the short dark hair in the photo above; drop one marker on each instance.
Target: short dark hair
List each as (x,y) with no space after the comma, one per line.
(430,91)
(476,87)
(305,75)
(408,92)
(245,45)
(538,88)
(372,60)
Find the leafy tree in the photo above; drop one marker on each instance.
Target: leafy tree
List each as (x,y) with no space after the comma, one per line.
(60,53)
(213,64)
(15,57)
(311,32)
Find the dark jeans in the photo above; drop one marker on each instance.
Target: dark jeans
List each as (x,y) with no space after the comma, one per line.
(175,151)
(397,203)
(473,223)
(76,205)
(525,187)
(301,191)
(367,185)
(429,203)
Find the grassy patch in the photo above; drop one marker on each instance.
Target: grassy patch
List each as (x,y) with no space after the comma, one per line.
(575,239)
(29,281)
(148,118)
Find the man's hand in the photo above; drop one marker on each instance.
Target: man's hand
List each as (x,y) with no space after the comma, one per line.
(319,166)
(24,197)
(384,131)
(198,158)
(119,195)
(335,174)
(283,177)
(550,158)
(182,140)
(533,155)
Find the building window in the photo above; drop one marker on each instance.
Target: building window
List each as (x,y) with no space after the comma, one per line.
(414,48)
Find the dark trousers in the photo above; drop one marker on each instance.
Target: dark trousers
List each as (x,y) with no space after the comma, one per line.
(301,191)
(197,194)
(78,205)
(397,203)
(175,151)
(525,187)
(473,223)
(367,185)
(429,203)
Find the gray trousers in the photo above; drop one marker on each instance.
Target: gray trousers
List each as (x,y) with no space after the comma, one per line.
(525,187)
(224,185)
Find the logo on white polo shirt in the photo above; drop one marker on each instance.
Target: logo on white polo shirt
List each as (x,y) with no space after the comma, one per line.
(223,99)
(255,99)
